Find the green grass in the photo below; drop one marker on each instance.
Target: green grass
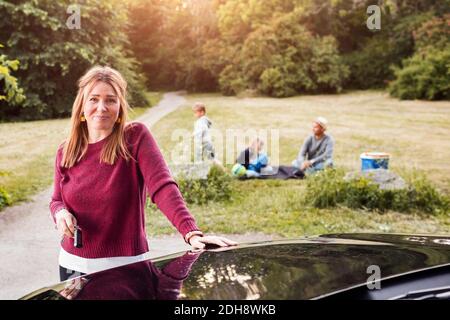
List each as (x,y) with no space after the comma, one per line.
(275,207)
(27,153)
(415,133)
(154,97)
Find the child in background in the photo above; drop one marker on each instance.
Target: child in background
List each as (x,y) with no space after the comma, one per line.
(203,147)
(253,159)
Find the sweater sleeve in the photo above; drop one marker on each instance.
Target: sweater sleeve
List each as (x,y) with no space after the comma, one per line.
(170,201)
(172,276)
(304,150)
(161,187)
(56,202)
(179,268)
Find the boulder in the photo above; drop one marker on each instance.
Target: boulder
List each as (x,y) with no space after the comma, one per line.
(191,170)
(385,179)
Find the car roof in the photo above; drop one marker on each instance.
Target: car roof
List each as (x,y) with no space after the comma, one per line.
(301,268)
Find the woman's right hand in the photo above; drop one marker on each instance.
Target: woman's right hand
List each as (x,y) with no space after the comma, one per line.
(65,223)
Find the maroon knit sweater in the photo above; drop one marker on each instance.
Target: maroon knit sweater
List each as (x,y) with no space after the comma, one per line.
(108,201)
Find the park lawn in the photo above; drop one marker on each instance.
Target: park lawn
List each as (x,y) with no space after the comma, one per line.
(415,133)
(153,97)
(27,152)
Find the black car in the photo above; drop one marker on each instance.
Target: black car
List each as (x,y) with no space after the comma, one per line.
(335,266)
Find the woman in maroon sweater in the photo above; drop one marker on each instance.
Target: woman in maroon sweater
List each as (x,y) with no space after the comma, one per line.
(103,173)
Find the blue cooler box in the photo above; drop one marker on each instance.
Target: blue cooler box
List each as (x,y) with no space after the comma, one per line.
(374,160)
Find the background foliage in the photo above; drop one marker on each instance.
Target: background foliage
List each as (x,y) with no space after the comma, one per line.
(217,187)
(10,90)
(329,189)
(278,48)
(52,56)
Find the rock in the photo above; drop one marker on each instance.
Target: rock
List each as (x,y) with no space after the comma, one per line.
(191,170)
(385,179)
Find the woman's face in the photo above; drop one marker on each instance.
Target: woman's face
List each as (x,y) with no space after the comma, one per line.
(102,107)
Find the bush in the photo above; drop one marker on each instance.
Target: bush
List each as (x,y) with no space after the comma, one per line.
(282,59)
(10,91)
(426,75)
(329,189)
(433,33)
(370,66)
(200,191)
(423,195)
(5,199)
(231,82)
(53,57)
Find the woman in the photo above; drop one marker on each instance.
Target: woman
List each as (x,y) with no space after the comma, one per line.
(103,172)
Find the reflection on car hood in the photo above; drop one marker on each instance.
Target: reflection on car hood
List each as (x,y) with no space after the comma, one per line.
(286,269)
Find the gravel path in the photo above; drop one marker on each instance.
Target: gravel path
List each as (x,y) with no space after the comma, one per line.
(29,243)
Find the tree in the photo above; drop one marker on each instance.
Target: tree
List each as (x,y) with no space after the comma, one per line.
(10,92)
(426,75)
(283,58)
(53,56)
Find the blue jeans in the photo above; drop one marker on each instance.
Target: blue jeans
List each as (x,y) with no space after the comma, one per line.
(65,274)
(315,167)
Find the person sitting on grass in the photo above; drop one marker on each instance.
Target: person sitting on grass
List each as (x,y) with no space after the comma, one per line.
(316,152)
(253,159)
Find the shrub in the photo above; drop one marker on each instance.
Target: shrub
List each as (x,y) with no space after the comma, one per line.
(424,196)
(5,199)
(426,75)
(231,81)
(282,59)
(200,191)
(53,57)
(328,188)
(370,66)
(433,33)
(10,91)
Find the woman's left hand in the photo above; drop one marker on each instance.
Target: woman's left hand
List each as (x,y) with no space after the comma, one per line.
(73,288)
(198,242)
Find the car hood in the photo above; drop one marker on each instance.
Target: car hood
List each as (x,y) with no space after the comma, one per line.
(301,268)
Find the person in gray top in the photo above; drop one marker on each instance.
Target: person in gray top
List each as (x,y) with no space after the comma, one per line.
(203,146)
(317,150)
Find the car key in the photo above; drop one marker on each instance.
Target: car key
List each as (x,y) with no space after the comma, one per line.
(78,239)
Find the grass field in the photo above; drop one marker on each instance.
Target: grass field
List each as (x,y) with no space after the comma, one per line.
(415,133)
(27,152)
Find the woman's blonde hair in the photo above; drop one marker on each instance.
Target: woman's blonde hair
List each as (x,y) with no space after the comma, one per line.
(76,144)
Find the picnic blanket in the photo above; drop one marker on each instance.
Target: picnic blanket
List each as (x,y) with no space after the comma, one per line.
(281,172)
